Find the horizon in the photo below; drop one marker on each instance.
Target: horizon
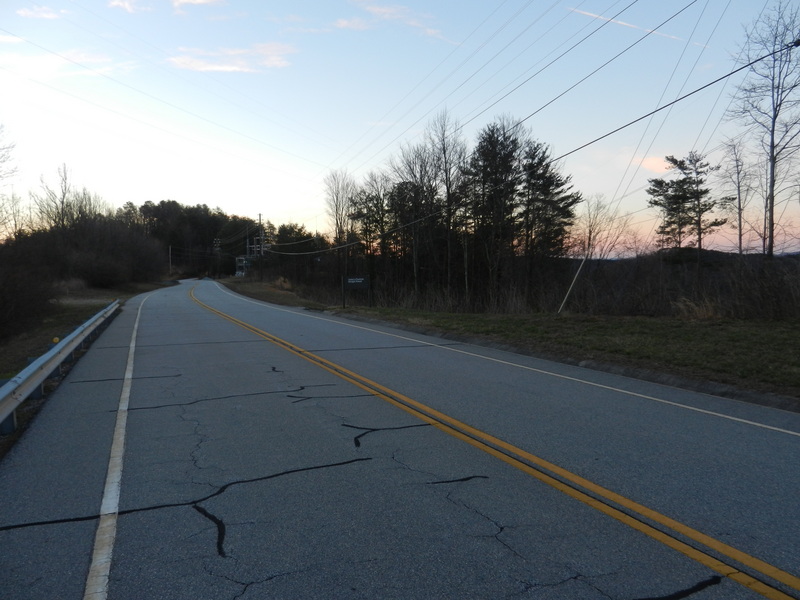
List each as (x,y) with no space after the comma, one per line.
(246,108)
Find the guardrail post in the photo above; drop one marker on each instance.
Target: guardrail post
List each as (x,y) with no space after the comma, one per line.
(38,391)
(9,424)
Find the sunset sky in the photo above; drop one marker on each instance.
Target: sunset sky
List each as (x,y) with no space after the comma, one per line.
(245,105)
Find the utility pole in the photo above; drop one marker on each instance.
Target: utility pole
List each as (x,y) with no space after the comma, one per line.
(260,249)
(261,236)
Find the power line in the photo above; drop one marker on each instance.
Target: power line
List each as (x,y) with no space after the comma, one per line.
(217,82)
(438,85)
(663,93)
(161,100)
(559,57)
(788,47)
(605,64)
(519,55)
(794,44)
(722,89)
(419,83)
(474,73)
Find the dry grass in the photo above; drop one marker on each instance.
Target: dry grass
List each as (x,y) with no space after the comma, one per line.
(279,291)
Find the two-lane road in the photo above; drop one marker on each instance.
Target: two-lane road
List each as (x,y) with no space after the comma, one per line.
(211,446)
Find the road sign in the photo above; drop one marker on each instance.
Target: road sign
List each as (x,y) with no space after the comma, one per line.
(357,283)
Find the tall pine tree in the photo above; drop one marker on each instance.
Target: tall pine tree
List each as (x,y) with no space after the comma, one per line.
(685,203)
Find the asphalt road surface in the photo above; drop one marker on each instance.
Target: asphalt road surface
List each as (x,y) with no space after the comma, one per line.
(209,446)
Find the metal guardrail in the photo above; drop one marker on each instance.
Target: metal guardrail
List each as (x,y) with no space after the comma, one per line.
(31,379)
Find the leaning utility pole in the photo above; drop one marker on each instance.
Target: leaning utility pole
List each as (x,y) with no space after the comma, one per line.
(260,249)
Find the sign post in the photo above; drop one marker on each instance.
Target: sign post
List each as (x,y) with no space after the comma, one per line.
(353,283)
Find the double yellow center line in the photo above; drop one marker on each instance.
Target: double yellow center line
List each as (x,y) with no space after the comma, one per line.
(671,532)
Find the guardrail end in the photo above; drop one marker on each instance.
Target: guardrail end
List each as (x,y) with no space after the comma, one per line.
(9,425)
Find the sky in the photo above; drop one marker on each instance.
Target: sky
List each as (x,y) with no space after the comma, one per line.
(246,105)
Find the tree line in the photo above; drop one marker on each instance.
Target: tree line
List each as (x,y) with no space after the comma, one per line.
(495,225)
(471,229)
(500,228)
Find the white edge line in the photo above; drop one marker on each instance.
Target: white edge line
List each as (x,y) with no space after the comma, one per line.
(525,367)
(100,569)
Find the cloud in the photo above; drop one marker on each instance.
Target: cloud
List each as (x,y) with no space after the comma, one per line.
(39,12)
(130,6)
(271,55)
(291,18)
(388,12)
(655,164)
(293,23)
(400,14)
(191,63)
(356,23)
(179,3)
(9,39)
(68,64)
(622,23)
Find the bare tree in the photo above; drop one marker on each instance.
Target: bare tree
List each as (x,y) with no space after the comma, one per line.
(372,211)
(6,148)
(9,205)
(736,177)
(416,165)
(449,154)
(53,205)
(414,200)
(65,207)
(599,229)
(6,211)
(340,191)
(13,220)
(769,98)
(340,188)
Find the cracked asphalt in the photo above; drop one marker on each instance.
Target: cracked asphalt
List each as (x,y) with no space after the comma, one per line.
(250,472)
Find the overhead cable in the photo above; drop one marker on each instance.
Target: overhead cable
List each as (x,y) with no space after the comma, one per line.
(605,64)
(787,47)
(790,46)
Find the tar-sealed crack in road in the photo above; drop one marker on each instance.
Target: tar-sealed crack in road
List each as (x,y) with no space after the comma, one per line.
(298,399)
(680,595)
(368,430)
(194,504)
(293,390)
